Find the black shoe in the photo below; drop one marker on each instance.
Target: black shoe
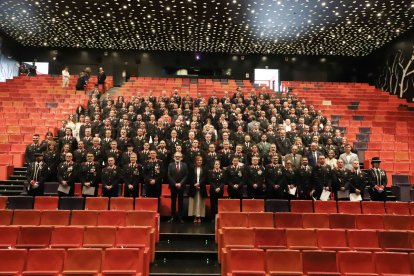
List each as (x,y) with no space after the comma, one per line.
(180,220)
(171,220)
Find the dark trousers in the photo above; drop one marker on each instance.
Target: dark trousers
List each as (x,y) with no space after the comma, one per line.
(214,204)
(177,194)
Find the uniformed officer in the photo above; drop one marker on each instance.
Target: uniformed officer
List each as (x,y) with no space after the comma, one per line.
(32,149)
(132,176)
(321,178)
(111,177)
(358,180)
(275,179)
(377,180)
(303,179)
(90,176)
(235,175)
(340,181)
(67,174)
(255,179)
(153,175)
(79,155)
(217,180)
(37,172)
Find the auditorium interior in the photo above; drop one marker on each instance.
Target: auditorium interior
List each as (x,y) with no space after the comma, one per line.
(206,138)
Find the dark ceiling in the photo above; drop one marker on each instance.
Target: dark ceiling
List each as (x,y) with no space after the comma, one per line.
(308,27)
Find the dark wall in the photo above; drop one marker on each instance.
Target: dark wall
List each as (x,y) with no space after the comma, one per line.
(216,65)
(392,67)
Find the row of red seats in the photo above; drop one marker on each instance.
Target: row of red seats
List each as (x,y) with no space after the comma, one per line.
(310,220)
(112,261)
(256,262)
(314,239)
(309,206)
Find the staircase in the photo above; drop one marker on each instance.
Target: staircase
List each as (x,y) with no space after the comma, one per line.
(186,249)
(15,184)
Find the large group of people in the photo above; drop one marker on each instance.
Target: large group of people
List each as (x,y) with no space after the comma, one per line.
(255,144)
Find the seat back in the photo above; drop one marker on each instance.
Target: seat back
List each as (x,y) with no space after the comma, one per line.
(277,205)
(238,237)
(319,261)
(46,203)
(133,236)
(253,205)
(315,220)
(397,208)
(12,260)
(349,207)
(395,240)
(356,262)
(84,218)
(34,236)
(269,238)
(301,238)
(20,202)
(393,263)
(332,239)
(288,220)
(111,218)
(67,236)
(326,207)
(56,217)
(301,206)
(8,236)
(71,203)
(363,240)
(96,203)
(50,260)
(3,202)
(6,217)
(26,217)
(123,259)
(246,260)
(373,207)
(397,222)
(146,204)
(260,220)
(370,222)
(121,203)
(342,221)
(99,236)
(292,261)
(83,260)
(141,218)
(233,219)
(228,205)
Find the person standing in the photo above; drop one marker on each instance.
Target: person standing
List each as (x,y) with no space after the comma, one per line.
(377,181)
(67,174)
(32,149)
(153,175)
(235,175)
(198,192)
(132,176)
(65,77)
(36,175)
(111,178)
(321,178)
(177,178)
(90,176)
(216,178)
(102,79)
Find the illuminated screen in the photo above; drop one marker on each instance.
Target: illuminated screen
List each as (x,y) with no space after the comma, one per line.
(269,77)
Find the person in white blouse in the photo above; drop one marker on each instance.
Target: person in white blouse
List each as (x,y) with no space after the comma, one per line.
(198,192)
(65,77)
(331,160)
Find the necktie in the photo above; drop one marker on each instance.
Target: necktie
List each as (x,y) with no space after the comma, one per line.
(177,167)
(294,159)
(378,176)
(36,172)
(315,156)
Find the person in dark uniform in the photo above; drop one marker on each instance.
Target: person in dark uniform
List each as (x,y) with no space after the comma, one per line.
(255,179)
(67,175)
(274,179)
(90,176)
(216,179)
(114,152)
(32,149)
(197,179)
(211,156)
(177,178)
(340,181)
(321,178)
(303,179)
(153,175)
(96,150)
(52,159)
(290,180)
(125,156)
(378,181)
(68,139)
(111,177)
(358,180)
(132,176)
(36,175)
(82,82)
(79,155)
(102,79)
(235,176)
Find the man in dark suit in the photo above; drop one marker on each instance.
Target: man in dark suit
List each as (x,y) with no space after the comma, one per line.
(177,178)
(313,154)
(282,143)
(36,175)
(101,79)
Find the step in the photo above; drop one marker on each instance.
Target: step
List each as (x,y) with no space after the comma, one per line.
(186,246)
(17,177)
(192,266)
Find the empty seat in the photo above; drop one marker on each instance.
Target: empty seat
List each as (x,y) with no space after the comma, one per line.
(26,217)
(349,207)
(301,206)
(96,203)
(397,208)
(228,205)
(3,202)
(34,236)
(46,203)
(233,220)
(253,205)
(137,236)
(315,220)
(124,261)
(269,238)
(373,207)
(277,205)
(319,263)
(143,218)
(332,239)
(84,218)
(57,217)
(260,220)
(326,207)
(397,222)
(395,240)
(6,217)
(99,236)
(370,222)
(246,262)
(284,262)
(44,262)
(71,203)
(87,261)
(393,263)
(301,239)
(356,263)
(20,202)
(345,221)
(288,220)
(121,203)
(363,240)
(67,236)
(12,261)
(111,218)
(8,236)
(146,204)
(236,238)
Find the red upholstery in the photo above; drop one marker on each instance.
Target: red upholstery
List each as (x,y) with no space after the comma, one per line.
(395,222)
(373,207)
(349,207)
(146,204)
(259,220)
(99,236)
(84,218)
(118,261)
(346,221)
(83,260)
(44,262)
(315,220)
(356,263)
(34,236)
(326,207)
(67,237)
(370,222)
(246,262)
(122,203)
(6,217)
(12,261)
(320,263)
(26,217)
(228,205)
(58,217)
(269,238)
(291,264)
(332,239)
(253,205)
(46,203)
(393,263)
(288,220)
(395,241)
(111,218)
(301,206)
(397,208)
(363,240)
(301,239)
(8,236)
(96,203)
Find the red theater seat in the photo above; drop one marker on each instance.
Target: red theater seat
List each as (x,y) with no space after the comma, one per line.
(26,217)
(345,221)
(253,205)
(326,207)
(270,238)
(320,263)
(301,239)
(284,262)
(260,220)
(349,207)
(34,236)
(84,218)
(315,220)
(393,263)
(301,206)
(99,236)
(396,222)
(228,205)
(8,236)
(67,237)
(397,208)
(146,204)
(246,262)
(118,261)
(395,241)
(370,221)
(44,262)
(46,203)
(3,202)
(82,261)
(288,220)
(332,239)
(356,263)
(111,218)
(6,217)
(122,203)
(373,207)
(60,217)
(363,240)
(12,261)
(233,220)
(96,203)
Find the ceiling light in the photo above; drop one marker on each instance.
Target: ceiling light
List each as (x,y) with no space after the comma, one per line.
(167,8)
